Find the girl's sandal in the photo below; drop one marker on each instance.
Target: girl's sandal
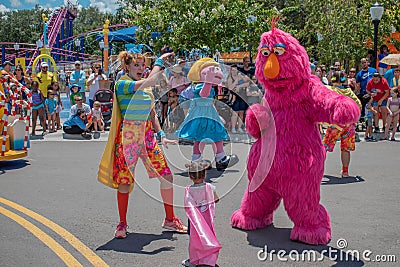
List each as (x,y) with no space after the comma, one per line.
(345,175)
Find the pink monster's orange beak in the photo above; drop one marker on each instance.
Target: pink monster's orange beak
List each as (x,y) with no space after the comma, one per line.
(272,67)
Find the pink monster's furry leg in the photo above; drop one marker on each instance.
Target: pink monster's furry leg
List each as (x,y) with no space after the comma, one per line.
(311,220)
(256,210)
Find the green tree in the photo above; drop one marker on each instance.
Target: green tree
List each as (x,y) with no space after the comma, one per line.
(342,30)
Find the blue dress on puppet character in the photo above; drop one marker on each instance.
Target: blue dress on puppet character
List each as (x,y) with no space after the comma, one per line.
(202,122)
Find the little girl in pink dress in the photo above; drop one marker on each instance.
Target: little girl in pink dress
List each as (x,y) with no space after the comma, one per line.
(199,206)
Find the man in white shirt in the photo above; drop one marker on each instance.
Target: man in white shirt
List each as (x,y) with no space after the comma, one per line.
(93,82)
(79,105)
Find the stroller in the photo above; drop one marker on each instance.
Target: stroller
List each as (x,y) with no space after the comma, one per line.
(105,97)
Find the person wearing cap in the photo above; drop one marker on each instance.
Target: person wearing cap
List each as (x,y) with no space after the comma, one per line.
(178,81)
(78,77)
(44,78)
(380,87)
(74,88)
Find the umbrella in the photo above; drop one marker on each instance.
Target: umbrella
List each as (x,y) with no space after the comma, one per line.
(391,59)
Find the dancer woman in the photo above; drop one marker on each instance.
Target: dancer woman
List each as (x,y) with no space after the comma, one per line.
(132,137)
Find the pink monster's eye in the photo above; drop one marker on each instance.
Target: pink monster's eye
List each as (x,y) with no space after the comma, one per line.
(265,52)
(279,51)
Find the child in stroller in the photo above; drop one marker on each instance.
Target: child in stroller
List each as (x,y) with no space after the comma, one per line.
(105,97)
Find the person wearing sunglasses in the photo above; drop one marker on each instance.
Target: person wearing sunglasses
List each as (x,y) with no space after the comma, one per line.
(79,105)
(77,124)
(94,82)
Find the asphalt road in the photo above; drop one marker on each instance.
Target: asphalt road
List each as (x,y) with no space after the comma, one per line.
(58,182)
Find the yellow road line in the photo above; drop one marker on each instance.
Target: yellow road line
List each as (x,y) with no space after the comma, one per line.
(70,238)
(64,255)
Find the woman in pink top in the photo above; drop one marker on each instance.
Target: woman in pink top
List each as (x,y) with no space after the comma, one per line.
(178,81)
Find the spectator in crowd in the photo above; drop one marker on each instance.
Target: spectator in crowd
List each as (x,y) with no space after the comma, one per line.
(335,67)
(380,87)
(163,88)
(185,98)
(79,105)
(97,117)
(369,114)
(55,86)
(7,65)
(74,93)
(351,80)
(312,67)
(78,77)
(77,124)
(383,52)
(235,82)
(393,106)
(394,82)
(185,67)
(45,77)
(176,115)
(20,76)
(51,107)
(119,74)
(247,69)
(320,71)
(253,93)
(62,78)
(37,107)
(390,74)
(93,82)
(370,58)
(7,71)
(362,78)
(178,81)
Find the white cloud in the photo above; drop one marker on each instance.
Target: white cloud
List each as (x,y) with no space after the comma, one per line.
(32,2)
(105,6)
(3,9)
(15,3)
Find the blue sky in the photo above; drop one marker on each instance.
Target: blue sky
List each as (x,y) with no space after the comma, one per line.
(103,5)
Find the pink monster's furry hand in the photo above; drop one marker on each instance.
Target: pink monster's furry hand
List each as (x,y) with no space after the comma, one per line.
(257,120)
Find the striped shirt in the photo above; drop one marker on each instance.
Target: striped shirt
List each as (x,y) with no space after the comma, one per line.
(134,105)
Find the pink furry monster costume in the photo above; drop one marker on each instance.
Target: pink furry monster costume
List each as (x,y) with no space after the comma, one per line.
(297,101)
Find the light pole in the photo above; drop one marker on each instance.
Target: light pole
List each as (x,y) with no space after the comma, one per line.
(101,44)
(77,45)
(376,11)
(250,19)
(16,48)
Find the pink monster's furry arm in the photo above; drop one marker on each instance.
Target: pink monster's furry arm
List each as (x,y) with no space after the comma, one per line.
(330,106)
(257,119)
